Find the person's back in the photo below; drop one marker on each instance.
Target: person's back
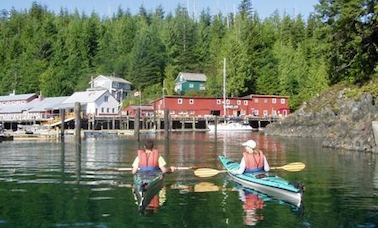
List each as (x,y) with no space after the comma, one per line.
(254,162)
(149,159)
(253,159)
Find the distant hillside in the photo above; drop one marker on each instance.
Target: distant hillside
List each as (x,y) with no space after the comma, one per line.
(343,115)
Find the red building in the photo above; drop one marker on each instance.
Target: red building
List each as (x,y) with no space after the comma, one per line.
(131,110)
(252,105)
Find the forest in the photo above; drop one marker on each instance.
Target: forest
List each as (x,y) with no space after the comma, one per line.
(56,54)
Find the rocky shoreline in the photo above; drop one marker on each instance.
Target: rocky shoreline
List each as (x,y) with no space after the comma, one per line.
(341,121)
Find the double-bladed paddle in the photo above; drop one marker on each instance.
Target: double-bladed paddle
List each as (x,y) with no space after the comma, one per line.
(129,169)
(208,172)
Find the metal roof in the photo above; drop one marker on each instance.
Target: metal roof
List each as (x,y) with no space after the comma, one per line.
(48,103)
(35,105)
(193,76)
(112,78)
(17,97)
(15,108)
(85,96)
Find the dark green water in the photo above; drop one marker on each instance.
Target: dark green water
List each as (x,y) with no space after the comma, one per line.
(50,184)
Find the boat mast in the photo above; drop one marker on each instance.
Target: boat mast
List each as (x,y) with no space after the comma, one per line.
(224,88)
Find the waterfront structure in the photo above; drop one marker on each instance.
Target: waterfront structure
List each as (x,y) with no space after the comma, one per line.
(96,102)
(131,110)
(190,82)
(119,88)
(36,110)
(258,106)
(269,105)
(14,98)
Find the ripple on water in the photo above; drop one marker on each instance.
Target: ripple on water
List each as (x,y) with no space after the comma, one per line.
(18,190)
(101,198)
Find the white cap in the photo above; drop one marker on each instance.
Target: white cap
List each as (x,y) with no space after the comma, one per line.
(250,143)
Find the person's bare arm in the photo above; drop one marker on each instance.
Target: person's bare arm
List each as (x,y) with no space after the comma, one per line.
(167,170)
(135,166)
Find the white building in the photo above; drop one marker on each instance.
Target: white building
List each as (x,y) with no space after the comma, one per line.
(17,98)
(95,102)
(118,87)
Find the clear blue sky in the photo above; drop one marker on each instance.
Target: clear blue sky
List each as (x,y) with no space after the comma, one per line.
(107,7)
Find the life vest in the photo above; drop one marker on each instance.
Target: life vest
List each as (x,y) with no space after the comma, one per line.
(148,161)
(253,162)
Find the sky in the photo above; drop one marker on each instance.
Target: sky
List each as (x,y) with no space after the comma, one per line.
(105,8)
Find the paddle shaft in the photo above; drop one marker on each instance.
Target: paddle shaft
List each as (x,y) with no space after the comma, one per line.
(208,172)
(129,169)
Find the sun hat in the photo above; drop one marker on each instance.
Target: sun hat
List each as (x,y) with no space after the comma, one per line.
(250,143)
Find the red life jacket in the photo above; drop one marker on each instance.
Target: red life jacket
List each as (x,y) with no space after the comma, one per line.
(253,202)
(253,162)
(148,161)
(154,203)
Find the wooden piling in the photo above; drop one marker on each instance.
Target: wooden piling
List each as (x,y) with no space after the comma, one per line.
(62,119)
(77,110)
(216,124)
(166,122)
(136,124)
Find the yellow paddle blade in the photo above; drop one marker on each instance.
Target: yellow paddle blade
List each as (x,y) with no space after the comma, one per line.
(206,187)
(207,172)
(292,167)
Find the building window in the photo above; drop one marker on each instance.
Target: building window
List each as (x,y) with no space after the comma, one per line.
(265,113)
(274,100)
(245,102)
(191,85)
(107,110)
(179,101)
(219,101)
(106,98)
(102,110)
(112,110)
(191,101)
(282,101)
(256,100)
(238,102)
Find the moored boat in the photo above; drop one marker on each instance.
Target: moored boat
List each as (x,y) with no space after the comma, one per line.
(230,126)
(146,186)
(266,183)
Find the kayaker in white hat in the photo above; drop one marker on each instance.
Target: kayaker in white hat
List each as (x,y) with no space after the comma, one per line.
(253,159)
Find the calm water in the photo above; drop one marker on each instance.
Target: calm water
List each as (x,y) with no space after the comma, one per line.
(50,184)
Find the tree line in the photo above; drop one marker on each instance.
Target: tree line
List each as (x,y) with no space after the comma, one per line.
(57,53)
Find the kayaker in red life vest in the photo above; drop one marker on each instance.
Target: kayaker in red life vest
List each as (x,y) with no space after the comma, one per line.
(149,159)
(253,159)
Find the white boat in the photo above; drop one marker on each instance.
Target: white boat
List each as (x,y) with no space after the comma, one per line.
(230,126)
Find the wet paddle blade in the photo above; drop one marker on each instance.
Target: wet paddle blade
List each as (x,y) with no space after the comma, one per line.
(207,172)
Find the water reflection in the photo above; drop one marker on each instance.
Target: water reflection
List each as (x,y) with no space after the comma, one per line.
(252,206)
(51,184)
